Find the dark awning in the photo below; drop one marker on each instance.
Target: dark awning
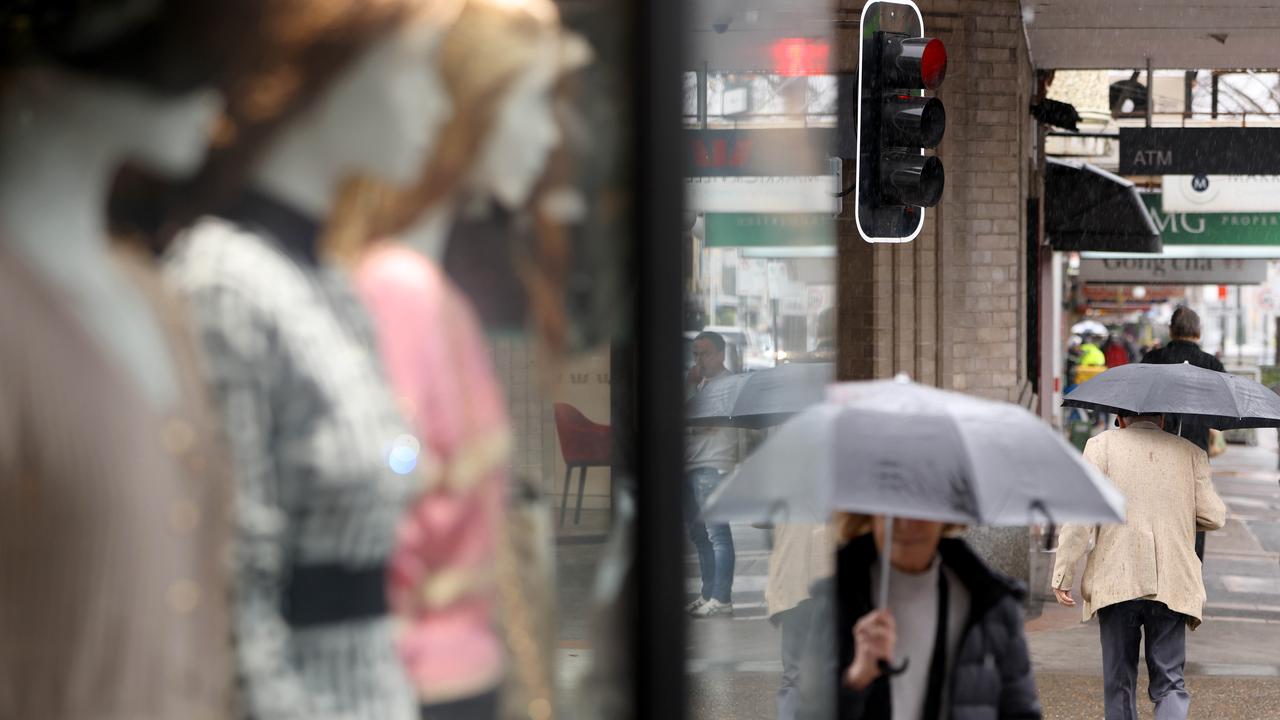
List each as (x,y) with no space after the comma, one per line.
(1088,208)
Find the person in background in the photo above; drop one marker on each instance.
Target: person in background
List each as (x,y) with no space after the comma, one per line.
(1184,331)
(1071,362)
(1091,356)
(802,555)
(957,622)
(1116,351)
(1141,578)
(710,454)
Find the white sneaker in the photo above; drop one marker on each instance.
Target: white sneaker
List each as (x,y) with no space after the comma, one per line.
(691,607)
(713,608)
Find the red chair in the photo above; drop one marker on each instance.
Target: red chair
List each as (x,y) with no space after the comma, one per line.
(583,444)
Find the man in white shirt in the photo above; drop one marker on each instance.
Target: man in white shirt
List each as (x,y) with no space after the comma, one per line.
(710,454)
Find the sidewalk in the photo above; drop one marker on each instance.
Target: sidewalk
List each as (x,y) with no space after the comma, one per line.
(1233,659)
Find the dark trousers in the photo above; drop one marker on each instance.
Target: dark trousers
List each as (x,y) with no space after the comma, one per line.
(480,707)
(794,624)
(1122,626)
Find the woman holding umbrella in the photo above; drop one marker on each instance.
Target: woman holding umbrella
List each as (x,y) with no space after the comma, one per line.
(923,628)
(951,646)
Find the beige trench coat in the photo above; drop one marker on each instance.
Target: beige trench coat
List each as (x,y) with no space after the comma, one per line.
(1168,490)
(802,555)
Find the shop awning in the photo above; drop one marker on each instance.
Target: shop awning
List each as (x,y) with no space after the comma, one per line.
(1088,208)
(1106,34)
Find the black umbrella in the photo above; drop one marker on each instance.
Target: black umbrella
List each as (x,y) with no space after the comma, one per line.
(1220,400)
(762,398)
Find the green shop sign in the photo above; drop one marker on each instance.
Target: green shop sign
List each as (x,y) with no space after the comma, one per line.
(1213,228)
(769,230)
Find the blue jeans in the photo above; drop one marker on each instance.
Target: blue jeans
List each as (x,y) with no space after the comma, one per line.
(714,542)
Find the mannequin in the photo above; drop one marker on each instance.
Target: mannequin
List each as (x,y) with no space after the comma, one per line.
(63,136)
(513,157)
(500,64)
(325,465)
(380,118)
(114,499)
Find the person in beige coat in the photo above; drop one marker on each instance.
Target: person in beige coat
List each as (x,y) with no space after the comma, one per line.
(802,555)
(1143,577)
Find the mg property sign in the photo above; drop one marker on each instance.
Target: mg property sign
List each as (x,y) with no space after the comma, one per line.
(1200,151)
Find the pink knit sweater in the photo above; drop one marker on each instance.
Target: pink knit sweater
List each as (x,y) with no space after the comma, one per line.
(442,573)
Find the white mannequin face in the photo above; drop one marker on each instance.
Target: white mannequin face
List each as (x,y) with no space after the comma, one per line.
(524,133)
(383,114)
(167,135)
(173,138)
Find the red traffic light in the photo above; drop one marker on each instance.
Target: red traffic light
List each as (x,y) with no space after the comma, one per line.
(797,57)
(918,62)
(933,64)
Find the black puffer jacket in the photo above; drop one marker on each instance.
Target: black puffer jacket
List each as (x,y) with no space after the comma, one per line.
(991,678)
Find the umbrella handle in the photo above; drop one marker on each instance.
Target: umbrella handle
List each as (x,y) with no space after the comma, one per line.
(888,670)
(885,668)
(885,553)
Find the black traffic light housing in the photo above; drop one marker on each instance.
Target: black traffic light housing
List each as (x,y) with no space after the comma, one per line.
(896,180)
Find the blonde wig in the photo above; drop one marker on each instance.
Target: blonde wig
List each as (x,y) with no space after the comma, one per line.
(484,52)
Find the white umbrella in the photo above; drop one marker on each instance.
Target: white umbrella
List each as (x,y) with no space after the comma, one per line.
(898,449)
(1089,327)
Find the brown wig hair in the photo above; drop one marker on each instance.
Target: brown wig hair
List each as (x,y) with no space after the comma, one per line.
(283,65)
(167,47)
(483,54)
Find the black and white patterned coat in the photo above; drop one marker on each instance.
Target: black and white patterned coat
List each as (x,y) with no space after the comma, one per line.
(292,363)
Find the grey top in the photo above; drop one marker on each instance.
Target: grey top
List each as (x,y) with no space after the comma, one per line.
(311,424)
(913,599)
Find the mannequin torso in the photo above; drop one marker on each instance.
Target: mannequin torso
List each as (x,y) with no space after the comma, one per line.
(114,500)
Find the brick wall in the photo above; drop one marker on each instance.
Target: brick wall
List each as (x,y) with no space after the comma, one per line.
(949,308)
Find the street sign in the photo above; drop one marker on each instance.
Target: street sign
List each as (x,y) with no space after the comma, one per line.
(1213,228)
(1200,151)
(764,152)
(1124,297)
(1156,270)
(1221,193)
(769,230)
(771,194)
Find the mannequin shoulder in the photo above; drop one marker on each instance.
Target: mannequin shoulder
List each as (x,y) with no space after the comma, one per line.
(393,268)
(214,255)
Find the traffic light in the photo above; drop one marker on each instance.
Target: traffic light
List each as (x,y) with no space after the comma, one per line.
(896,180)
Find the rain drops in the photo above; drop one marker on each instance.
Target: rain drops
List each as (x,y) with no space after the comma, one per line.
(403,457)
